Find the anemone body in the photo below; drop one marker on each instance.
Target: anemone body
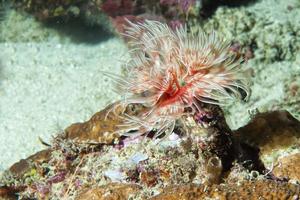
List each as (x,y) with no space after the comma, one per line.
(171,71)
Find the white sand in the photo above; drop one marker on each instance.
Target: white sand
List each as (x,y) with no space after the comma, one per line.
(45,87)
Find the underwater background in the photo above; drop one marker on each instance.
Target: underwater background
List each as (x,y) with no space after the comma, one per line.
(52,57)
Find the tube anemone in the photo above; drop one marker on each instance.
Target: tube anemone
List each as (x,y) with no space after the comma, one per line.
(170,72)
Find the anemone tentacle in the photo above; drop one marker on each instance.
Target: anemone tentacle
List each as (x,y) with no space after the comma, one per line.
(171,71)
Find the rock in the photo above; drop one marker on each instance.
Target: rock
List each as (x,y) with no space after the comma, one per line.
(113,191)
(252,190)
(288,167)
(273,133)
(14,177)
(7,194)
(166,171)
(46,10)
(23,166)
(104,127)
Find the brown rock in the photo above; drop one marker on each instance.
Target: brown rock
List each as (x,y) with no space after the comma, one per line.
(23,166)
(113,191)
(246,190)
(104,127)
(149,178)
(18,171)
(7,194)
(289,167)
(271,131)
(48,9)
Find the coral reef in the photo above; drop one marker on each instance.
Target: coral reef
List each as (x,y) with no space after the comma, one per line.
(140,168)
(199,156)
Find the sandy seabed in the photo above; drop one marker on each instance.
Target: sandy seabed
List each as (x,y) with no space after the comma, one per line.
(45,87)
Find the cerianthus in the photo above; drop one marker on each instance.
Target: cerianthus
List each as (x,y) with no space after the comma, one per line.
(170,72)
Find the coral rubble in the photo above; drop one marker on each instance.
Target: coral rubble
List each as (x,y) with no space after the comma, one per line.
(182,165)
